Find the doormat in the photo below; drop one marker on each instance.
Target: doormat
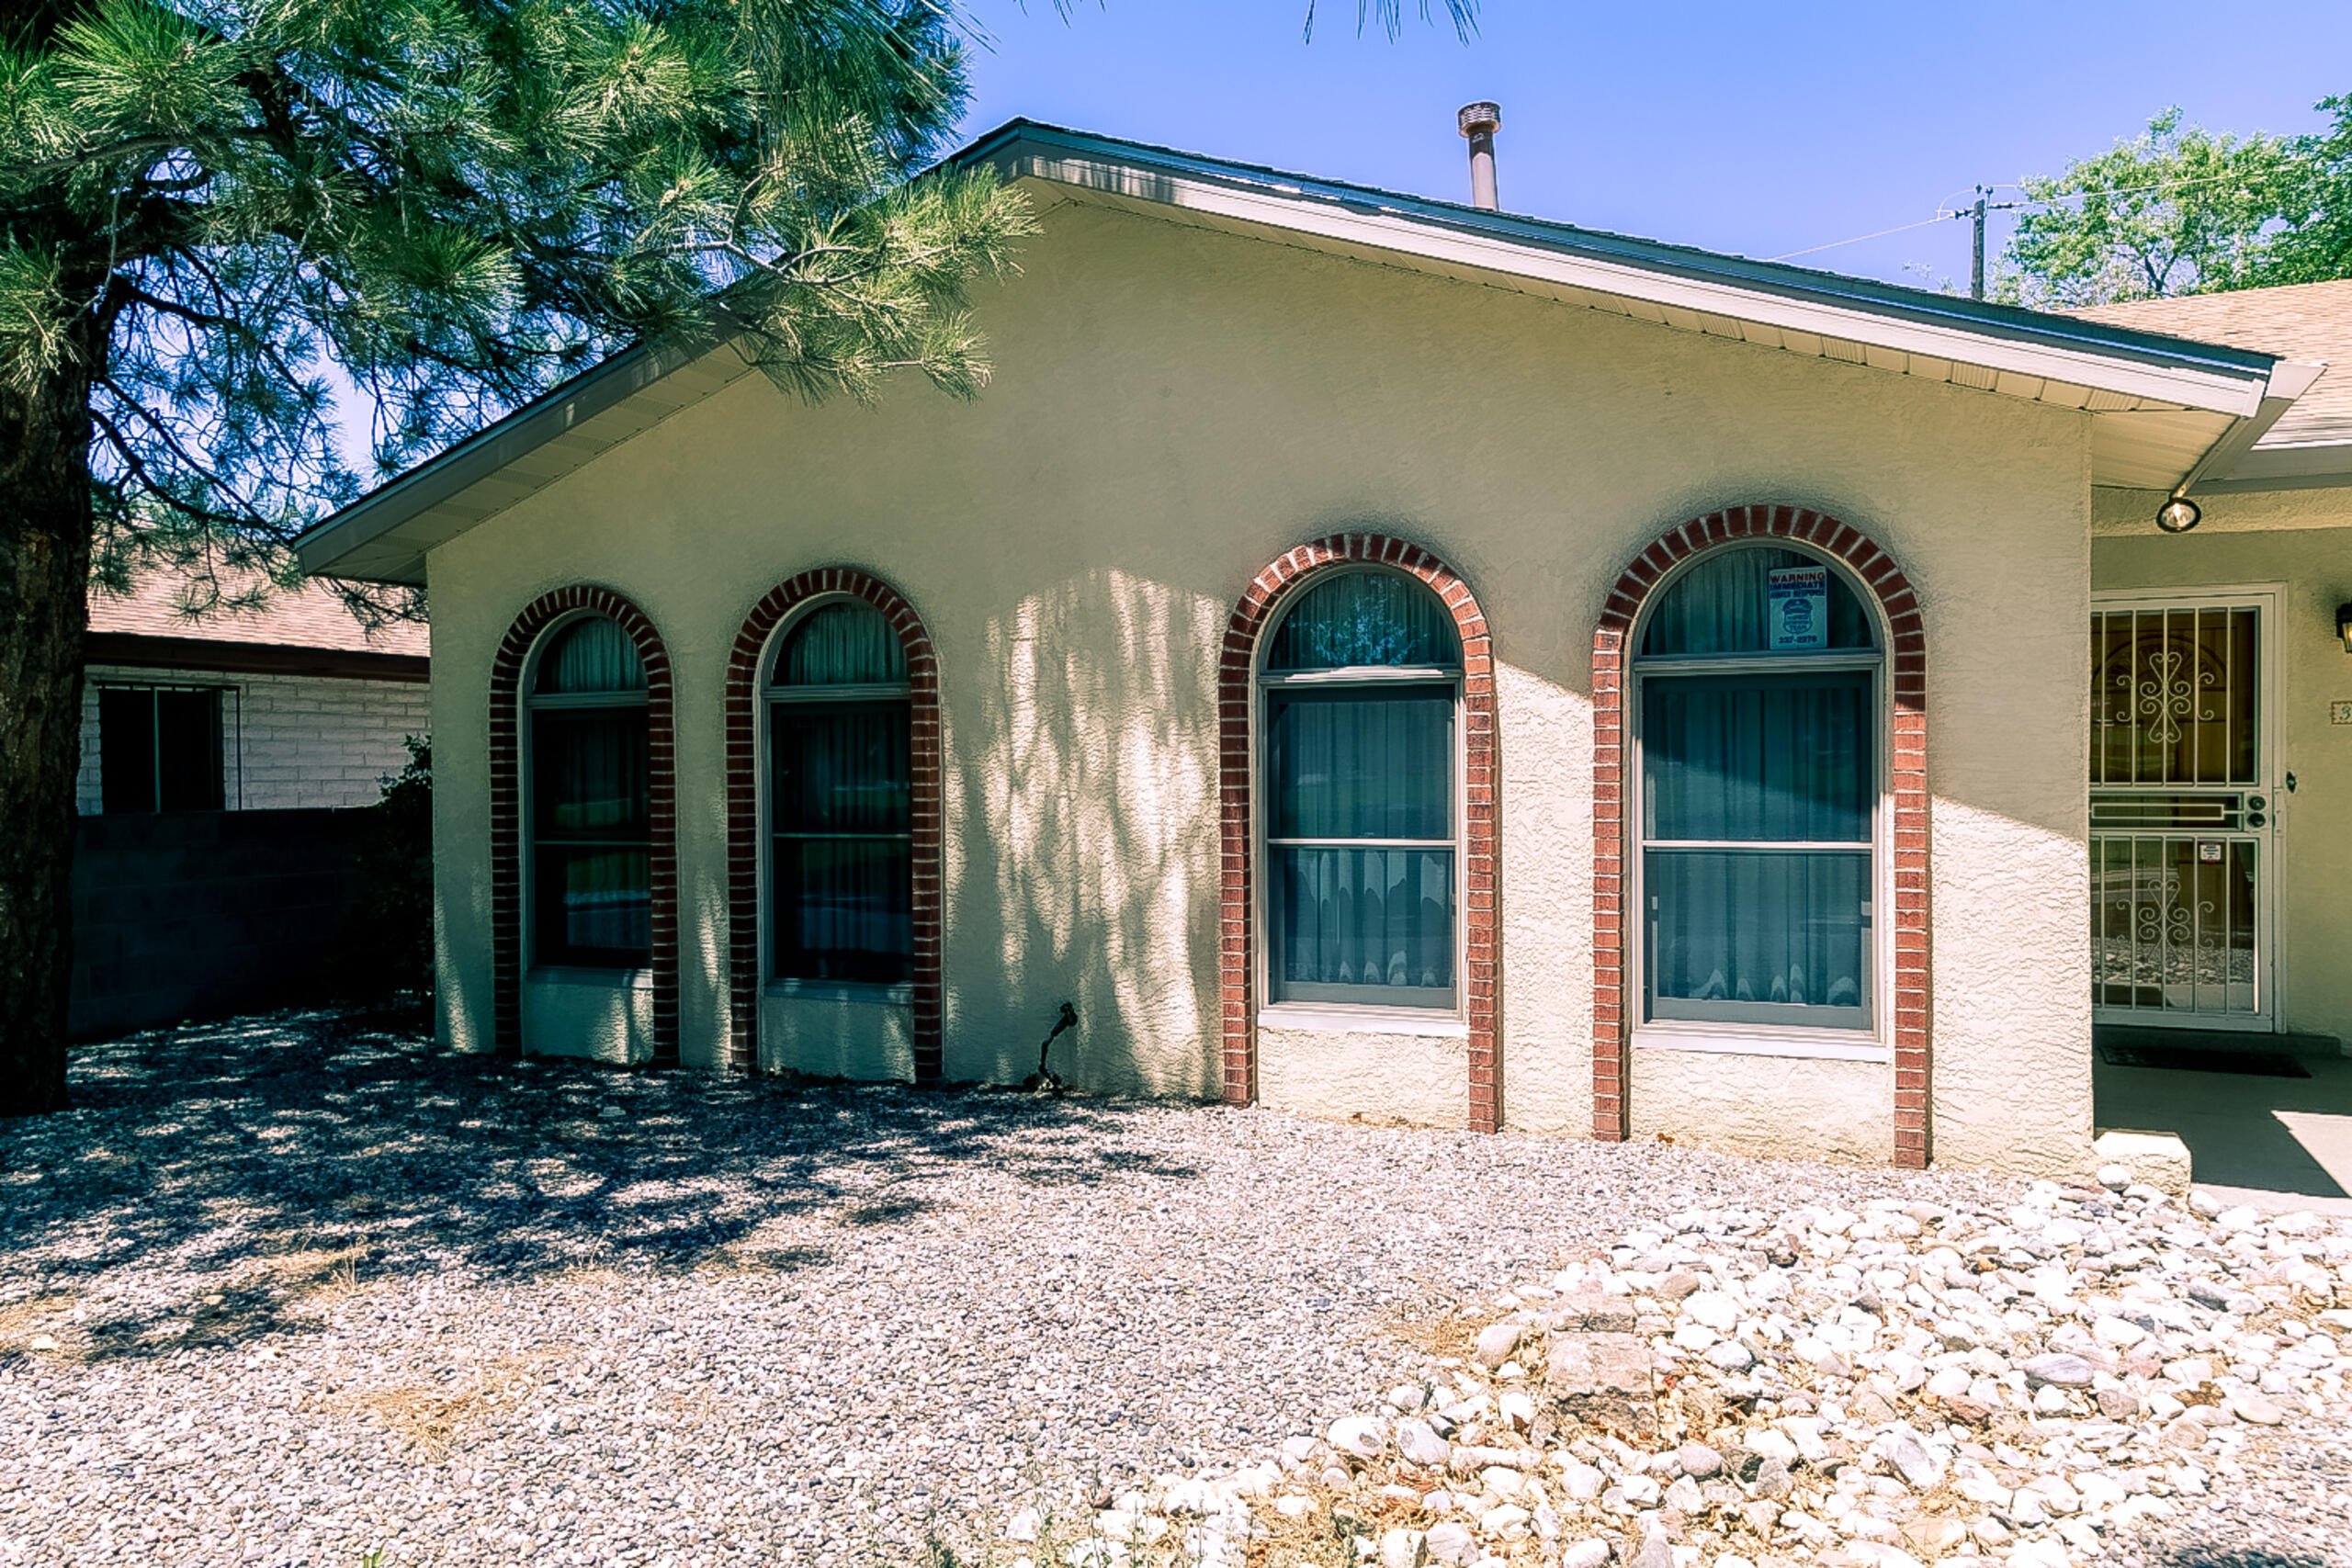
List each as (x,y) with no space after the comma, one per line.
(2195,1059)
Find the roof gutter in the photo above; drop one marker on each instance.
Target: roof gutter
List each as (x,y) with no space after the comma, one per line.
(2289,379)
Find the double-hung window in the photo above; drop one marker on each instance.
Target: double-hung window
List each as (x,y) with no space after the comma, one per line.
(1757,816)
(1360,719)
(591,813)
(840,800)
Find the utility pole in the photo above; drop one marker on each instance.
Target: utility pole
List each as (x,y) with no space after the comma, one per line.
(1976,264)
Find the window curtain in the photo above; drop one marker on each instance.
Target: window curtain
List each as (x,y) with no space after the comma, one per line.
(1373,763)
(1784,927)
(1755,760)
(1766,757)
(1364,764)
(844,839)
(592,814)
(1361,917)
(846,643)
(592,655)
(1718,606)
(1359,618)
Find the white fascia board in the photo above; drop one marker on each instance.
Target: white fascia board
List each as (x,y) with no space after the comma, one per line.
(2238,455)
(483,457)
(2239,395)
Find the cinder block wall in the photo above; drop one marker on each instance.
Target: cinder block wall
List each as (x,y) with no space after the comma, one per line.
(292,741)
(201,914)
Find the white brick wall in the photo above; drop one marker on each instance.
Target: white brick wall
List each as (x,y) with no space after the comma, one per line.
(286,741)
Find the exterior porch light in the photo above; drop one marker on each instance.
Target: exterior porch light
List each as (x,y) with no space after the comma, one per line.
(2178,516)
(2344,625)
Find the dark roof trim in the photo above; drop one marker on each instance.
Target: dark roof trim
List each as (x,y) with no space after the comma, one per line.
(145,652)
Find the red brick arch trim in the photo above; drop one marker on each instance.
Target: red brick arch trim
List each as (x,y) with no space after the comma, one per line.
(1237,683)
(506,813)
(1907,671)
(743,921)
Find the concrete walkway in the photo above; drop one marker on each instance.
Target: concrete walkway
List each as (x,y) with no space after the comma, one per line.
(2276,1142)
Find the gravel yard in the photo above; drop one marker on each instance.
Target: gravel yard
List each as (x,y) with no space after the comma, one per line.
(302,1290)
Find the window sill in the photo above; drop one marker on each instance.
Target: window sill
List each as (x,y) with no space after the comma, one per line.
(611,979)
(841,991)
(1763,1039)
(1332,1019)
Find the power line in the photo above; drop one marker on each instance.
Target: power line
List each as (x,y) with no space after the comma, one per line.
(1977,209)
(1883,233)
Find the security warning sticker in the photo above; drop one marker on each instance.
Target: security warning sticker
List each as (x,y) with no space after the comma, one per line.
(1797,606)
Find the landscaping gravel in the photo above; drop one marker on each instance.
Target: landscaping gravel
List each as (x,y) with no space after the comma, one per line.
(2095,1371)
(302,1290)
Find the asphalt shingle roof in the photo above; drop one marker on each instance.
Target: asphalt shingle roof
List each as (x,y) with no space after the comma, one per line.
(308,616)
(2299,320)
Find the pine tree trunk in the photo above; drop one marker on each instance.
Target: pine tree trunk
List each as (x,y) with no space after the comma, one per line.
(45,540)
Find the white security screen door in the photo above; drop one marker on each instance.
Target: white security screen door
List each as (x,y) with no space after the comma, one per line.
(2183,810)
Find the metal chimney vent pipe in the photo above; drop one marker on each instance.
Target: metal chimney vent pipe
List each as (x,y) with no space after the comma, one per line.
(1479,122)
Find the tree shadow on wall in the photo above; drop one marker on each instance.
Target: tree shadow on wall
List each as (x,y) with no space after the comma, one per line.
(260,1165)
(1086,785)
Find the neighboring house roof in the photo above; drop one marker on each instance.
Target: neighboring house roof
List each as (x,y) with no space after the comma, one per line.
(2312,444)
(299,631)
(2161,410)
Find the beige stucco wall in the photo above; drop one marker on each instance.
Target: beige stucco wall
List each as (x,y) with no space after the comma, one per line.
(2302,539)
(1172,409)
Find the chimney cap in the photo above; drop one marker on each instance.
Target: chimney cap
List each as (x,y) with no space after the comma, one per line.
(1481,117)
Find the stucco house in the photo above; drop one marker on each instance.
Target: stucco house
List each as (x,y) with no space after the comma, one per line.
(1380,657)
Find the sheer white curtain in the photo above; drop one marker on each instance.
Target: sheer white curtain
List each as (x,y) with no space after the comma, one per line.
(1360,816)
(1759,793)
(1371,763)
(1740,764)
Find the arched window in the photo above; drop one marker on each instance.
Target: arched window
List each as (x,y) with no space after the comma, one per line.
(1361,698)
(840,805)
(1759,735)
(592,817)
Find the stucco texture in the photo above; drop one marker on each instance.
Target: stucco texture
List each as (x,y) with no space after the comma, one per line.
(1173,408)
(2302,540)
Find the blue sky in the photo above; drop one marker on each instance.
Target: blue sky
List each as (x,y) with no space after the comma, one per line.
(1753,129)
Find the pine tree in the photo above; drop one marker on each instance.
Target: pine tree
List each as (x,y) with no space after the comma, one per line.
(220,218)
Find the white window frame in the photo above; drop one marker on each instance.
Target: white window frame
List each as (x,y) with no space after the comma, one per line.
(769,693)
(1451,1019)
(1736,1032)
(624,977)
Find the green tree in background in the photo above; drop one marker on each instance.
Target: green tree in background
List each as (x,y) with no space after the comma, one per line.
(2182,210)
(2175,211)
(2314,243)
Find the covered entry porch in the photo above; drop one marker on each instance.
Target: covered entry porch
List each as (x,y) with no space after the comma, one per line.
(2267,1118)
